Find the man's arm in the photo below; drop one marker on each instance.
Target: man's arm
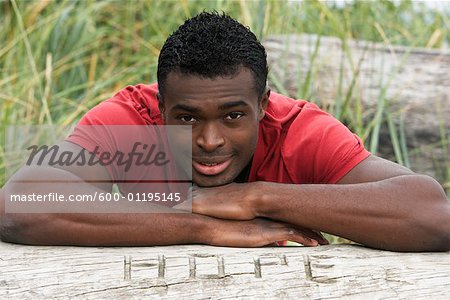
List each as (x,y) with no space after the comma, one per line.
(88,228)
(141,229)
(379,204)
(145,230)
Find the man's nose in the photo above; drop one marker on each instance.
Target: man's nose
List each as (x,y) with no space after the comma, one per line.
(210,137)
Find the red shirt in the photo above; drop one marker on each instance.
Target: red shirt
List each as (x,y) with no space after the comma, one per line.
(297,143)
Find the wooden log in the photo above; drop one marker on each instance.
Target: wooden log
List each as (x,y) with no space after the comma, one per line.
(416,83)
(192,272)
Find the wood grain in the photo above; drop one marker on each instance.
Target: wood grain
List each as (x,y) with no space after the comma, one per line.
(194,272)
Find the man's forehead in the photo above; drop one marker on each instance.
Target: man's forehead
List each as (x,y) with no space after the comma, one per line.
(239,83)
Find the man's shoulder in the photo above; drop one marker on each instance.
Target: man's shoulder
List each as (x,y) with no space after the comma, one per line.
(300,120)
(132,105)
(140,95)
(139,90)
(306,144)
(283,110)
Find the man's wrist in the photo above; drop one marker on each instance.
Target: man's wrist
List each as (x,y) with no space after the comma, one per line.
(259,201)
(204,229)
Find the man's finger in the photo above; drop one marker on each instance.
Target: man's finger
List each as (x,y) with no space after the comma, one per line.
(312,234)
(315,235)
(299,237)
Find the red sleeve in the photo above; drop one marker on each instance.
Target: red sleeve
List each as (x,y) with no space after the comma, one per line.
(130,106)
(320,149)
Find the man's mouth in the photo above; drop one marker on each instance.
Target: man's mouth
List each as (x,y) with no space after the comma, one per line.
(211,167)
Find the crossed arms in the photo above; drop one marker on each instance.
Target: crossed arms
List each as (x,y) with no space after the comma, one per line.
(379,204)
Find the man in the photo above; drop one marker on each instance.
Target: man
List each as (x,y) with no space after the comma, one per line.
(267,168)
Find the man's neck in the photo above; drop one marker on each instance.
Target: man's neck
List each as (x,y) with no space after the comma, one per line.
(243,176)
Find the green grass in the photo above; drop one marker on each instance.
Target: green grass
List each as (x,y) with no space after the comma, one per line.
(58,59)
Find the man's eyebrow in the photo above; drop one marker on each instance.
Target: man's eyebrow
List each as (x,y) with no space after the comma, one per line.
(186,108)
(223,106)
(228,105)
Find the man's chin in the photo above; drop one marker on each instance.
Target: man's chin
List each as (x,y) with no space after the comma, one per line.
(211,181)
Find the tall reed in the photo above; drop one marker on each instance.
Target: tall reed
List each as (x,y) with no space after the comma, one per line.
(58,59)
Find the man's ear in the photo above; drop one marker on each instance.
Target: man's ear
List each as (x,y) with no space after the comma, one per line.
(161,105)
(263,104)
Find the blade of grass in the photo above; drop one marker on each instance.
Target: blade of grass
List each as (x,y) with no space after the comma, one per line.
(31,60)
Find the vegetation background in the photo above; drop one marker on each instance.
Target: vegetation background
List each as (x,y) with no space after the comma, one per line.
(58,59)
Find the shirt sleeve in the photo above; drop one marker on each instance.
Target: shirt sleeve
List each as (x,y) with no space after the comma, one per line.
(124,135)
(94,132)
(320,149)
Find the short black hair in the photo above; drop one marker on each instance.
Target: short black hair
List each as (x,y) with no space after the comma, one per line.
(212,45)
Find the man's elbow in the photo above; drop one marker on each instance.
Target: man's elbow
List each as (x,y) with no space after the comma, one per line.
(9,224)
(432,214)
(445,243)
(19,228)
(442,236)
(435,223)
(12,229)
(428,230)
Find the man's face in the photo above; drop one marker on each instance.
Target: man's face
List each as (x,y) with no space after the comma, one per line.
(224,114)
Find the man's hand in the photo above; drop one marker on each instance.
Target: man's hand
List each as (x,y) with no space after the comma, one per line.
(261,232)
(234,201)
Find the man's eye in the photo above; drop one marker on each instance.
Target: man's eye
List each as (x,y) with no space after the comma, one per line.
(188,119)
(234,116)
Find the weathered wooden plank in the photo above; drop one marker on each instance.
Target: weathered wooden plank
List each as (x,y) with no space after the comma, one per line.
(415,81)
(35,272)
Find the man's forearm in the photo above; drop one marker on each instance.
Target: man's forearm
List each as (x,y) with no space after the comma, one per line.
(145,230)
(164,228)
(114,229)
(402,213)
(141,229)
(104,229)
